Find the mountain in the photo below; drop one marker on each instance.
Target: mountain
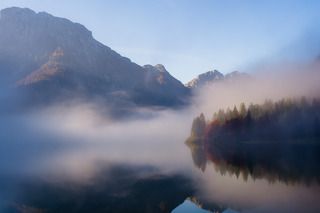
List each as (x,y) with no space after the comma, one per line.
(159,81)
(211,77)
(205,78)
(47,59)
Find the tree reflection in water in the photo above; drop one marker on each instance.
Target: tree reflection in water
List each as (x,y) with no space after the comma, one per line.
(274,141)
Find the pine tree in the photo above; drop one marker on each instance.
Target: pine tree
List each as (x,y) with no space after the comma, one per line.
(243,110)
(235,113)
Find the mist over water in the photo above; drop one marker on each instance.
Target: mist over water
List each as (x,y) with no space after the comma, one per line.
(74,142)
(80,145)
(84,129)
(81,135)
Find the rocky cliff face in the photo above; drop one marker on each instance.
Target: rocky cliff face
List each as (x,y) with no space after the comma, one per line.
(52,58)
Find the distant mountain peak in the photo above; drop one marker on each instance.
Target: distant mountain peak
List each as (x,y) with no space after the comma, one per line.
(205,78)
(213,76)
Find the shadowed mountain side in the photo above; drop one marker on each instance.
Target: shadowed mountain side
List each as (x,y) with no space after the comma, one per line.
(48,59)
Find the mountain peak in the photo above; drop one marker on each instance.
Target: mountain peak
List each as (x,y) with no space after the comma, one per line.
(16,11)
(157,73)
(211,75)
(155,68)
(25,17)
(161,68)
(215,76)
(205,78)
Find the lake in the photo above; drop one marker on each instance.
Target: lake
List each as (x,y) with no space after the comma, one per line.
(89,164)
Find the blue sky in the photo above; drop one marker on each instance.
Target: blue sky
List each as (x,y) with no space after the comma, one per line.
(189,37)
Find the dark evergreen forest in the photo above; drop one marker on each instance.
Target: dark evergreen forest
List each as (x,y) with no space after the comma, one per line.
(274,140)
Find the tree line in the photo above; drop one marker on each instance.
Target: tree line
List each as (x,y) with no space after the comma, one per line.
(287,120)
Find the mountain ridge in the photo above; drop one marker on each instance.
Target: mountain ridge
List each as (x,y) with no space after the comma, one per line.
(50,57)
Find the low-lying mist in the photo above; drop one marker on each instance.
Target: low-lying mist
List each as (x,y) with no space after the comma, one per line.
(272,82)
(73,140)
(80,133)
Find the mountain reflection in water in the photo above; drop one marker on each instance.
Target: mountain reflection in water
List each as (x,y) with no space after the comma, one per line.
(118,188)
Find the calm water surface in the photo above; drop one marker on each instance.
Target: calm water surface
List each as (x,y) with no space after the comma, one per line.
(86,165)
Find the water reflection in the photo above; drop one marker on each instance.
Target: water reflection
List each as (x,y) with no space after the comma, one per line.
(274,161)
(189,206)
(255,177)
(116,188)
(101,169)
